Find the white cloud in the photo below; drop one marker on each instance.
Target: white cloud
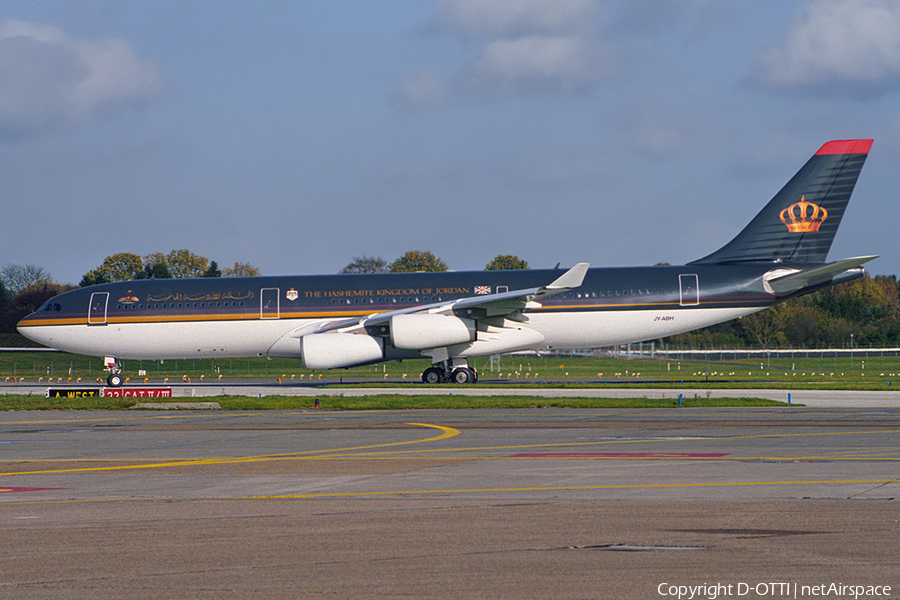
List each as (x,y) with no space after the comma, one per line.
(531,64)
(837,42)
(517,47)
(49,79)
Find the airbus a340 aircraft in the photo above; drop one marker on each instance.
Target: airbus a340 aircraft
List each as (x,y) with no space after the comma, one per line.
(335,321)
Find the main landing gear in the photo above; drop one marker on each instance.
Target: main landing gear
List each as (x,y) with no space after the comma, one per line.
(448,373)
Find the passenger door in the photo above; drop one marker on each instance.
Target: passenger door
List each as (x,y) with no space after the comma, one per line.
(690,290)
(269,303)
(97,310)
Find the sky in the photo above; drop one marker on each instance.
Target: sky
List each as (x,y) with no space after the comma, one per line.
(295,136)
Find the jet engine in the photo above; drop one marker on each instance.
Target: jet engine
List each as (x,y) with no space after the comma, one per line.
(336,350)
(422,331)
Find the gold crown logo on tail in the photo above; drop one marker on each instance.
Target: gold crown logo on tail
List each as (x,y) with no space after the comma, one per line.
(803,216)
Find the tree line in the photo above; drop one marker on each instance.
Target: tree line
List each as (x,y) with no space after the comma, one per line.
(24,288)
(415,261)
(176,264)
(861,313)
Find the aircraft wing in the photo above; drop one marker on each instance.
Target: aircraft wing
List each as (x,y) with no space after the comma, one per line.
(793,282)
(490,305)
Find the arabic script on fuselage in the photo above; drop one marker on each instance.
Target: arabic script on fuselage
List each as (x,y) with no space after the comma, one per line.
(199,297)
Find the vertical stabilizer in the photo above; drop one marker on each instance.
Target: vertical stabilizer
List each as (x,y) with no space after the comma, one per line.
(800,222)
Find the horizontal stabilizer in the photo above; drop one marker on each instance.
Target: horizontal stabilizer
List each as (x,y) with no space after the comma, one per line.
(793,282)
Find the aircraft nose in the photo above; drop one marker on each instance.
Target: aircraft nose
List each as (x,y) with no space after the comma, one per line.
(29,328)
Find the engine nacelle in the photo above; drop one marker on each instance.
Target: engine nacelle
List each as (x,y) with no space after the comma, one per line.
(336,350)
(423,331)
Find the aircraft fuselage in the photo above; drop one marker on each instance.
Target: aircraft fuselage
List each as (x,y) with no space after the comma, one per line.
(251,316)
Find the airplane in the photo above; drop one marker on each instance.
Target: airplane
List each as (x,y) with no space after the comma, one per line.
(342,321)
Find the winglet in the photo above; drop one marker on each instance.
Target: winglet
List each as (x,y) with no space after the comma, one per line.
(571,278)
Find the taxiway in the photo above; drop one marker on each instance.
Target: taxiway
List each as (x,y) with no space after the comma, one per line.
(436,504)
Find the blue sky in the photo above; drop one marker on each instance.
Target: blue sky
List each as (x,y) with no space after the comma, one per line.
(298,135)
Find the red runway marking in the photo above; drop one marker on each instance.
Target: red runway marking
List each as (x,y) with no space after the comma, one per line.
(622,455)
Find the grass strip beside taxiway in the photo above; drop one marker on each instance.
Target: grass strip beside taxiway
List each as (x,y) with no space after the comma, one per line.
(380,402)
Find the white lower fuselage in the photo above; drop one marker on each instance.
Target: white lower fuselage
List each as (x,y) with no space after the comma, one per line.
(280,337)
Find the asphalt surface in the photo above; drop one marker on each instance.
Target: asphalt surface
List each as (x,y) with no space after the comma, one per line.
(543,503)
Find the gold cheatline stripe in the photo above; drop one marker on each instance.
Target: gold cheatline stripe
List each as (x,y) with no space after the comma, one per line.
(205,316)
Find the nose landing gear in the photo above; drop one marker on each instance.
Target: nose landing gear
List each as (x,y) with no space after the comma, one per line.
(115,378)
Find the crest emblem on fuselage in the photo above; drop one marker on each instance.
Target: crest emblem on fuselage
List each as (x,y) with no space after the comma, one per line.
(803,216)
(129,298)
(292,294)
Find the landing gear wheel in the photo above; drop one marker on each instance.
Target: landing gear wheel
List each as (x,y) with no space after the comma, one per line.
(115,380)
(433,375)
(462,376)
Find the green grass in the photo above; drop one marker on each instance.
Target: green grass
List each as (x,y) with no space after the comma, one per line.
(874,372)
(24,402)
(377,402)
